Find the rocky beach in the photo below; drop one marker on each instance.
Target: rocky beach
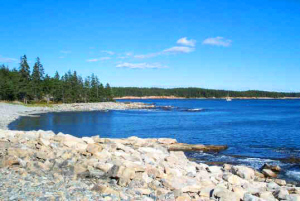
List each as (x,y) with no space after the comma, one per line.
(11,112)
(42,165)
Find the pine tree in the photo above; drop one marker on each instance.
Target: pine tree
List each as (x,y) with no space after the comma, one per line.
(24,91)
(87,85)
(101,92)
(36,79)
(108,93)
(75,87)
(25,86)
(57,88)
(48,88)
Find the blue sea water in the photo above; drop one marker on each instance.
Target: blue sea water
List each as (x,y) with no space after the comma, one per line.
(256,131)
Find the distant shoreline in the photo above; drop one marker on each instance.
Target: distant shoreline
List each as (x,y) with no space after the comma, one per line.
(175,97)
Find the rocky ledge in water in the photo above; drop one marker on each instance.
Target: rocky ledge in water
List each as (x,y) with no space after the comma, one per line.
(40,165)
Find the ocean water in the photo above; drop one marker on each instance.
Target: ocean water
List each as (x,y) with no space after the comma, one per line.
(256,131)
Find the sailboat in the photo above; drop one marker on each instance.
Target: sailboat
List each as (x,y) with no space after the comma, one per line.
(228,98)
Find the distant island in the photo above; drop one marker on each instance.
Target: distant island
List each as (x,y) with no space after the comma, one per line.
(192,92)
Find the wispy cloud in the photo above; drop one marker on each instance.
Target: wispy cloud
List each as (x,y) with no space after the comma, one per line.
(126,55)
(140,65)
(179,49)
(172,50)
(65,51)
(7,60)
(108,52)
(145,56)
(185,41)
(61,57)
(104,58)
(217,41)
(98,59)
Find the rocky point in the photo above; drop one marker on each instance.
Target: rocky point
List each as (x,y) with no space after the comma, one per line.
(41,165)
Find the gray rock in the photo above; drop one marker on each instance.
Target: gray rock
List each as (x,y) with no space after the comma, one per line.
(249,197)
(224,194)
(281,194)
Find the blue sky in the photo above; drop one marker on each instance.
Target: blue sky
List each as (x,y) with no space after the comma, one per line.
(230,44)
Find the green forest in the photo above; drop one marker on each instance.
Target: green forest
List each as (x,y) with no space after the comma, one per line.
(196,93)
(31,86)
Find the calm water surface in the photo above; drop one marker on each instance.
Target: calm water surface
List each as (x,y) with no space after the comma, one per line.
(256,131)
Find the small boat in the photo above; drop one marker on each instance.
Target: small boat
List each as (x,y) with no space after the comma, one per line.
(228,98)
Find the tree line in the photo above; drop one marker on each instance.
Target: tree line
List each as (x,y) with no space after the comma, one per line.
(196,93)
(25,85)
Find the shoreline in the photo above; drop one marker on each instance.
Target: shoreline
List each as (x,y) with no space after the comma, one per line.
(121,168)
(202,98)
(94,168)
(10,111)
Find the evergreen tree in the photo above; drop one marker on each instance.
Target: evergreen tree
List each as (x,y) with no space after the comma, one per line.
(94,89)
(48,88)
(87,85)
(57,88)
(37,78)
(101,92)
(24,91)
(108,93)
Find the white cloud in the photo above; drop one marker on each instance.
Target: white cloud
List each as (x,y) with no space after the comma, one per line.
(145,56)
(98,59)
(92,60)
(185,41)
(104,58)
(7,60)
(140,65)
(108,52)
(61,57)
(127,55)
(179,49)
(217,41)
(65,51)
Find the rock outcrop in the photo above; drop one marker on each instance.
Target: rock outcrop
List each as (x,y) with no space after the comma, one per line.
(43,166)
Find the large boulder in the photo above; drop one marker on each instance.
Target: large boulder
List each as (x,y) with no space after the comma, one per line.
(243,172)
(233,179)
(274,168)
(281,194)
(249,197)
(9,161)
(293,197)
(215,170)
(269,173)
(30,135)
(272,186)
(123,174)
(46,134)
(239,191)
(88,140)
(224,194)
(94,148)
(267,195)
(166,140)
